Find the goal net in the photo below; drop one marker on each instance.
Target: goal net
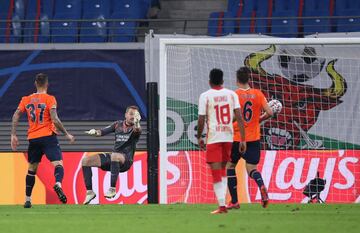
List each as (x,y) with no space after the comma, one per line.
(317,131)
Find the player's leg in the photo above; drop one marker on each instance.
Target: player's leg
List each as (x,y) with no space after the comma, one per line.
(53,152)
(87,163)
(231,176)
(252,157)
(30,182)
(34,157)
(214,159)
(226,154)
(117,160)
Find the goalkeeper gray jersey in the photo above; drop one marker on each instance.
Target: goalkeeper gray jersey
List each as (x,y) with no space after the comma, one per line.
(125,137)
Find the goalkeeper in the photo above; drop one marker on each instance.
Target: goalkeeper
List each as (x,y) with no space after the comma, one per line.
(252,102)
(127,133)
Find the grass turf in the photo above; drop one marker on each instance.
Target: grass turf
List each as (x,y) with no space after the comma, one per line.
(180,218)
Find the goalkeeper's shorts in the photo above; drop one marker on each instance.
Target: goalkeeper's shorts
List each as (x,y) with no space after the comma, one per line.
(251,155)
(105,159)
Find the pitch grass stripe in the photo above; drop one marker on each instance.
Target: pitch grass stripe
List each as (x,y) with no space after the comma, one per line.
(179,219)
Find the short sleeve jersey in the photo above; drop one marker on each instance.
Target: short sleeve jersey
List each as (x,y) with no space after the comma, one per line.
(218,106)
(37,107)
(253,102)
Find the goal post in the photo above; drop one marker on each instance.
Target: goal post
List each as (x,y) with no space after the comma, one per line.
(313,77)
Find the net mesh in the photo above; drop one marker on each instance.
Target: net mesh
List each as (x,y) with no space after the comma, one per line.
(317,130)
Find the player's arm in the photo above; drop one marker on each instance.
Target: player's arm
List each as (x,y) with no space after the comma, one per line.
(137,126)
(200,129)
(14,124)
(59,125)
(268,113)
(102,132)
(94,132)
(240,122)
(201,120)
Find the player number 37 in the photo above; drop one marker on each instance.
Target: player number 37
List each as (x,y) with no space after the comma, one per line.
(33,109)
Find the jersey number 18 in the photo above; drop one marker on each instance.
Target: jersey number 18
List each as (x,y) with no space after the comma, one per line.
(223,114)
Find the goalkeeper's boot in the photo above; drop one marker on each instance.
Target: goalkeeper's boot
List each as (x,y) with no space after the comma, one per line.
(90,195)
(220,210)
(110,193)
(264,197)
(60,193)
(27,204)
(233,206)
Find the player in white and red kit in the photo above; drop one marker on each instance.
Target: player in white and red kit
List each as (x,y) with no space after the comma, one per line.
(217,107)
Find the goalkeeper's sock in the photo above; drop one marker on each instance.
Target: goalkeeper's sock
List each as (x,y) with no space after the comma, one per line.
(232,185)
(219,188)
(257,177)
(115,169)
(87,173)
(30,182)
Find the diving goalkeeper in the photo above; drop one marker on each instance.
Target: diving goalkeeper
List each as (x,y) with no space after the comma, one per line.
(127,133)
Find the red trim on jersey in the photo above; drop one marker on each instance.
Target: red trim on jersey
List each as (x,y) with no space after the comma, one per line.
(217,87)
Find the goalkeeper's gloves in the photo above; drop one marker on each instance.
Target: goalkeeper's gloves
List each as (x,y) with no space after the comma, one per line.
(137,119)
(92,132)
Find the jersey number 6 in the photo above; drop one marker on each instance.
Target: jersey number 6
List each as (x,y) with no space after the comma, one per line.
(248,112)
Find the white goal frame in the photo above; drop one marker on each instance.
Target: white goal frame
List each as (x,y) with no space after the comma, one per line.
(164,42)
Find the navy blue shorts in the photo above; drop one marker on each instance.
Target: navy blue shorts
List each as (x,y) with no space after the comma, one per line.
(251,156)
(48,145)
(105,159)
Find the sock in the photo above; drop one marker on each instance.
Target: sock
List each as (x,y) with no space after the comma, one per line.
(115,169)
(219,193)
(257,177)
(224,181)
(59,173)
(219,189)
(30,182)
(87,174)
(232,185)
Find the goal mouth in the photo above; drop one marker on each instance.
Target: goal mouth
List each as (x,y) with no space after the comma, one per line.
(315,79)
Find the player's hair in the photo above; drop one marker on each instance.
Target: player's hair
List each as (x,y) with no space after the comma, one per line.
(243,74)
(41,79)
(216,77)
(132,107)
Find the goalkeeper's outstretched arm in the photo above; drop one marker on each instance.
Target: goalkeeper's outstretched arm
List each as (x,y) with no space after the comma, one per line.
(137,126)
(94,132)
(102,132)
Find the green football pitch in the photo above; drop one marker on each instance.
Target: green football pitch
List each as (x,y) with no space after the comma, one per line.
(182,218)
